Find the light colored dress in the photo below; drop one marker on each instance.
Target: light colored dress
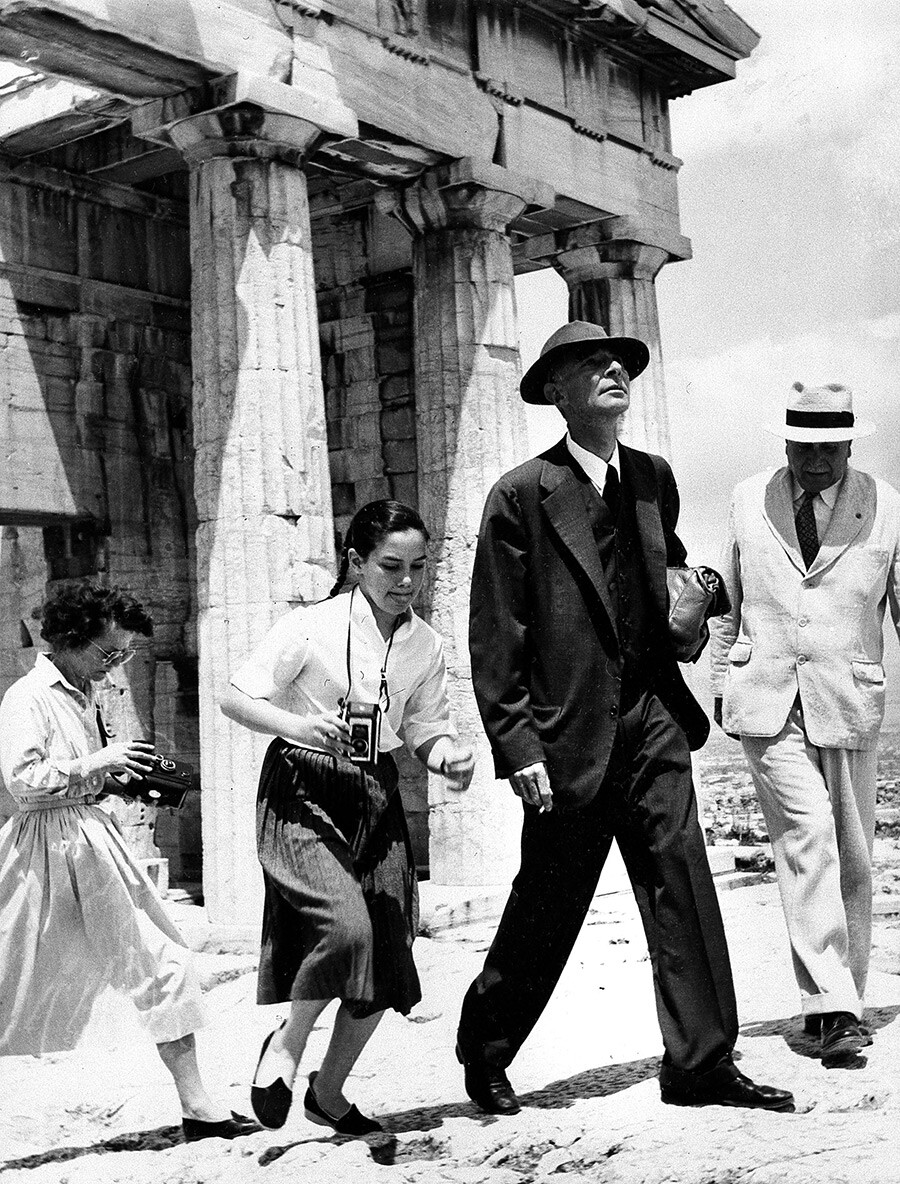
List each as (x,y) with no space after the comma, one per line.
(77,913)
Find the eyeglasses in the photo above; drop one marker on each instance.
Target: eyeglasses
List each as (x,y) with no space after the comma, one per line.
(114,657)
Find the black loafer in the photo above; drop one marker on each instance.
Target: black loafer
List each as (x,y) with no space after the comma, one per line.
(350,1123)
(842,1039)
(229,1128)
(725,1085)
(488,1086)
(271,1103)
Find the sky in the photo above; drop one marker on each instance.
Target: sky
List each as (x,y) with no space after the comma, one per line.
(790,194)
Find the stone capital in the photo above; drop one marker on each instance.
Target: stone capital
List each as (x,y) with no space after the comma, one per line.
(244,115)
(616,260)
(614,246)
(465,194)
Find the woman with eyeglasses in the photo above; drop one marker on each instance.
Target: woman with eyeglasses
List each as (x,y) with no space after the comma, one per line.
(77,913)
(341,684)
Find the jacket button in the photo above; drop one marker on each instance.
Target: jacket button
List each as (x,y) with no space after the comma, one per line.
(613,712)
(803,621)
(801,658)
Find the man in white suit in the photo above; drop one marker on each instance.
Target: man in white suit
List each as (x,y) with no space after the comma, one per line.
(811,560)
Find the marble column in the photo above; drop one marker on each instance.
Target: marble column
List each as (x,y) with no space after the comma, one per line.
(610,268)
(261,479)
(470,428)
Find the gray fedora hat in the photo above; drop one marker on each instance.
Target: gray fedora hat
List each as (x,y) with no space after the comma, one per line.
(634,354)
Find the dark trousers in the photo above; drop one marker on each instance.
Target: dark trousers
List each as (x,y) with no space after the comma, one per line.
(646,802)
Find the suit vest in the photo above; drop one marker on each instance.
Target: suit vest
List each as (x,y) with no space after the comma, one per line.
(619,545)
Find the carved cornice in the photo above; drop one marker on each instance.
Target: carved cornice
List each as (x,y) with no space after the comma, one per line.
(405,49)
(500,89)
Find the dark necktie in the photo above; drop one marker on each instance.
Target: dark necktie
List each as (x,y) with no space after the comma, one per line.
(807,535)
(611,491)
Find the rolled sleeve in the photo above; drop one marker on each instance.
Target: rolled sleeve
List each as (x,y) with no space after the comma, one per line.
(427,711)
(277,660)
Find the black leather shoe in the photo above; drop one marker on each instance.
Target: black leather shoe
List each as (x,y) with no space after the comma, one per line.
(271,1103)
(228,1128)
(725,1085)
(842,1039)
(812,1026)
(488,1086)
(350,1123)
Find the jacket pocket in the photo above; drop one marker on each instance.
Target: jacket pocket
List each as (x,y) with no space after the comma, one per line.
(868,671)
(740,653)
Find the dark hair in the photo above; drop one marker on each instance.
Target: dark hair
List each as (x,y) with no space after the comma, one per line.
(371,524)
(75,614)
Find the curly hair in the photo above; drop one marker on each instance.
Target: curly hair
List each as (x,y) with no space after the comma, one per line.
(370,526)
(75,614)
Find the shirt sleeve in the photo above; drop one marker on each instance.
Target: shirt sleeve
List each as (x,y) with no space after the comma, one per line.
(724,630)
(27,763)
(426,714)
(278,659)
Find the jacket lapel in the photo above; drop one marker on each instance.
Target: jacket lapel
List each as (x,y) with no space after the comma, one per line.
(852,510)
(639,475)
(778,511)
(562,485)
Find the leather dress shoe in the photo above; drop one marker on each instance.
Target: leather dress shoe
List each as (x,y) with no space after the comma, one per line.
(725,1085)
(228,1128)
(842,1039)
(488,1086)
(812,1026)
(271,1103)
(351,1122)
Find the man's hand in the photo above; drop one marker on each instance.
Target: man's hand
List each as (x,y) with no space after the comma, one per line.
(717,716)
(532,785)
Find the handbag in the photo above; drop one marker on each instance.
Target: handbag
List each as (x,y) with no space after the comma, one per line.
(166,784)
(695,595)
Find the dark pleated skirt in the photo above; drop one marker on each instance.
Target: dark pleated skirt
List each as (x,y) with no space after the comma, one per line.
(341,900)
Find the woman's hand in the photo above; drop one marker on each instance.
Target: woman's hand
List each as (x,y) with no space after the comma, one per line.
(451,758)
(327,731)
(134,757)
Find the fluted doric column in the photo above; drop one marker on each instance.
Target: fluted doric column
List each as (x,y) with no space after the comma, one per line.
(261,478)
(470,428)
(610,268)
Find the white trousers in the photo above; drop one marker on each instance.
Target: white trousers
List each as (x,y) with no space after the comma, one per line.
(819,807)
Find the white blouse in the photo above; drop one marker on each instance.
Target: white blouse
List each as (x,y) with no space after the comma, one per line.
(47,730)
(301,667)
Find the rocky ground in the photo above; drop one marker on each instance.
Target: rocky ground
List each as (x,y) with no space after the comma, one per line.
(587,1079)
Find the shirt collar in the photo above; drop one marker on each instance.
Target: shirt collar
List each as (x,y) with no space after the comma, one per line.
(594,466)
(361,613)
(50,674)
(829,496)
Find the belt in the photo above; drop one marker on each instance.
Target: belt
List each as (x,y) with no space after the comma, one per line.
(58,803)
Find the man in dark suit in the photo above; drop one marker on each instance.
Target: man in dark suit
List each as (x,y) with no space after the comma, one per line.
(589,718)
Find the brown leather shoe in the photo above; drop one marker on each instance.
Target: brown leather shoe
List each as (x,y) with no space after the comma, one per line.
(842,1039)
(488,1086)
(725,1085)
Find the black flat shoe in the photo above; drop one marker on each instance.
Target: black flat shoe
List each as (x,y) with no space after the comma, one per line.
(271,1103)
(812,1026)
(351,1123)
(488,1086)
(229,1128)
(725,1085)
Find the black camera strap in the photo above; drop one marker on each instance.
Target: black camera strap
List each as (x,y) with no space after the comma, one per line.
(383,683)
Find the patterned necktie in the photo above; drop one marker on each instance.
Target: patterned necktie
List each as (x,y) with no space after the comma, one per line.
(611,491)
(807,535)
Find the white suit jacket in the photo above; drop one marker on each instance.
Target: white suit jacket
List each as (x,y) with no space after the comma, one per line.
(815,633)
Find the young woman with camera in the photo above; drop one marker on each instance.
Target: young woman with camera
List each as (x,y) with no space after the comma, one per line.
(77,913)
(340,684)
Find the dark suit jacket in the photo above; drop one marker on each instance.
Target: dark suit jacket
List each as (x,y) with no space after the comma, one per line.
(543,634)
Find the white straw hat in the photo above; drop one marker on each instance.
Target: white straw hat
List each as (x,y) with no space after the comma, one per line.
(820,414)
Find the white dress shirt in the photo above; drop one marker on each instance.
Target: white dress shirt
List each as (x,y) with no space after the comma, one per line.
(594,466)
(47,730)
(822,503)
(301,667)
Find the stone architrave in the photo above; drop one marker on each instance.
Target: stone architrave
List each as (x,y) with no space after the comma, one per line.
(262,485)
(610,268)
(470,428)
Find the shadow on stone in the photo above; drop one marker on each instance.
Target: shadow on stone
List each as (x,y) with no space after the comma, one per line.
(154,1140)
(790,1029)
